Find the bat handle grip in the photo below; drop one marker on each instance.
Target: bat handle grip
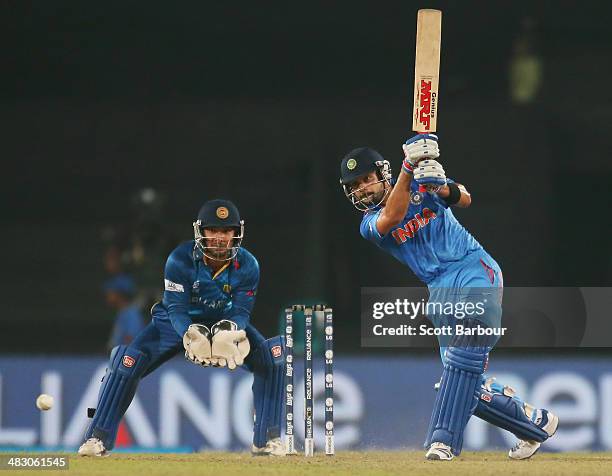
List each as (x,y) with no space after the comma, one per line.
(422,188)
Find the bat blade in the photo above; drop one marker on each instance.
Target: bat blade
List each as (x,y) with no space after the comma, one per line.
(427,71)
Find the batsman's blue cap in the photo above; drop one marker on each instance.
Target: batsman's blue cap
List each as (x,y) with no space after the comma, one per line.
(358,162)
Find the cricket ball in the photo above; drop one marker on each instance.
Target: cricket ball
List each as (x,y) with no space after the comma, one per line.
(44,402)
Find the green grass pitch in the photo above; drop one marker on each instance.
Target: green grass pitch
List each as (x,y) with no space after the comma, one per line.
(344,463)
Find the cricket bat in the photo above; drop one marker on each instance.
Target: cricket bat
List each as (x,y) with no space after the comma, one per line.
(427,71)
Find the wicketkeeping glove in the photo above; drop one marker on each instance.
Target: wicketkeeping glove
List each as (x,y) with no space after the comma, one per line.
(419,147)
(229,345)
(197,344)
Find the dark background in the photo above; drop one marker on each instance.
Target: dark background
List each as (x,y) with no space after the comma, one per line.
(258,102)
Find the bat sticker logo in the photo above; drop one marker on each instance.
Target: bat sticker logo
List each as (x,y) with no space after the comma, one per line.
(425,104)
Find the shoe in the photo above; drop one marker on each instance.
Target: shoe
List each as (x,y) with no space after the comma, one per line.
(93,447)
(525,449)
(274,447)
(439,452)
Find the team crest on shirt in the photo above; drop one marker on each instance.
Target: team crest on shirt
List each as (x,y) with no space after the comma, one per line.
(276,351)
(416,198)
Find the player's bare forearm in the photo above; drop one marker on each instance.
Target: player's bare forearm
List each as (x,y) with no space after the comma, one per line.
(464,201)
(397,204)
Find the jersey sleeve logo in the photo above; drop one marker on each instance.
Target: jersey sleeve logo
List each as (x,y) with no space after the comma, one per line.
(173,287)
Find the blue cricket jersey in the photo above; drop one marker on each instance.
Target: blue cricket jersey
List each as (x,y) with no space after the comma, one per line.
(192,294)
(428,240)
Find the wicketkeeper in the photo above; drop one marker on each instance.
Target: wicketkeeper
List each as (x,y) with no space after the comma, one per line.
(411,219)
(210,288)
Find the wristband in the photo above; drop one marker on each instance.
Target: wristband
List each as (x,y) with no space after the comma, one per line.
(455,194)
(407,167)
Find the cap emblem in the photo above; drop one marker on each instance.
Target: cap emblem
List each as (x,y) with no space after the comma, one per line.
(351,164)
(222,212)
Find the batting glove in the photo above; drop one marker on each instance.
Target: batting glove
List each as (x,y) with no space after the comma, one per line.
(417,148)
(430,174)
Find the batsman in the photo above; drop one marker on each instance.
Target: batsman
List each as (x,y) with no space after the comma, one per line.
(210,285)
(411,219)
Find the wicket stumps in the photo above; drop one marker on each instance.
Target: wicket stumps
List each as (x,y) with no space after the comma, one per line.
(308,410)
(324,314)
(289,434)
(329,382)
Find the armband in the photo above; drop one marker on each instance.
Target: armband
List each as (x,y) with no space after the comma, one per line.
(455,194)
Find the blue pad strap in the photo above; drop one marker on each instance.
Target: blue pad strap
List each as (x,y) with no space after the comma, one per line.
(507,412)
(268,364)
(456,399)
(116,393)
